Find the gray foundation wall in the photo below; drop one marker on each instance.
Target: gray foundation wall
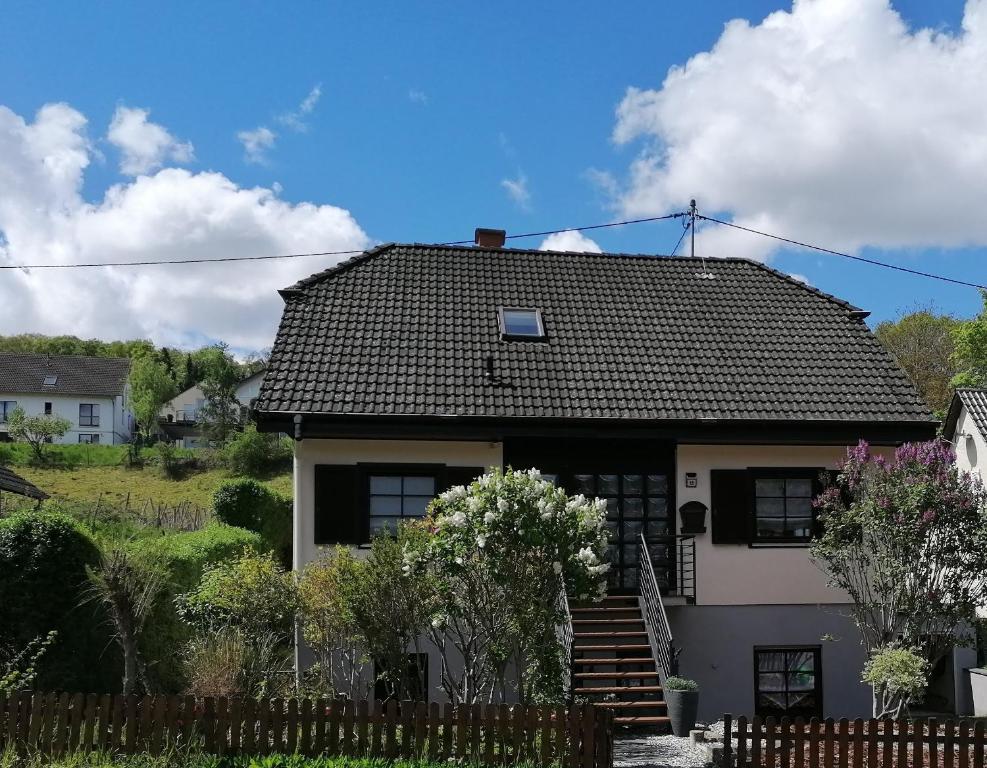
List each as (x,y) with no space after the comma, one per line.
(718,642)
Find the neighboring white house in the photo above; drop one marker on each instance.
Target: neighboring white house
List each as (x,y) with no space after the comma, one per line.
(91,392)
(179,418)
(702,402)
(966,429)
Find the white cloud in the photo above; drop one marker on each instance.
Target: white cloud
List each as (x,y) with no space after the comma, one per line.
(417,96)
(145,146)
(256,143)
(295,120)
(517,190)
(833,123)
(570,240)
(171,214)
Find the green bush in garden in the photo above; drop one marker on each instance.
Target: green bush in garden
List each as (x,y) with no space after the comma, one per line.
(43,560)
(254,454)
(185,556)
(248,504)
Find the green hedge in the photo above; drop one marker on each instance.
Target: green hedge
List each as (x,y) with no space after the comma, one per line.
(185,556)
(43,587)
(248,504)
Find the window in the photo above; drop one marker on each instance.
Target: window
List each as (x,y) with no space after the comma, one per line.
(521,324)
(90,438)
(6,408)
(88,415)
(50,381)
(788,681)
(47,409)
(397,497)
(783,508)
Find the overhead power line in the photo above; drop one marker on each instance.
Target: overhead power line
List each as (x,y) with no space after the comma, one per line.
(220,259)
(865,260)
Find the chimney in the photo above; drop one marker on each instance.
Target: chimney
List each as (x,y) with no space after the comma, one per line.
(490,238)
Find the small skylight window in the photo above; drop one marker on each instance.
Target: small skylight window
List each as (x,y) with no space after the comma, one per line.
(51,381)
(516,323)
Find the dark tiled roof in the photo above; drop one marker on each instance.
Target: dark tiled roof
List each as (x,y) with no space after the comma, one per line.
(14,483)
(75,375)
(405,330)
(975,402)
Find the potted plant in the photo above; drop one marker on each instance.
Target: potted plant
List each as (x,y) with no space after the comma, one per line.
(682,697)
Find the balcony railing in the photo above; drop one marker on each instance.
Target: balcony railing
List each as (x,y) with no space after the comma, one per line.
(673,561)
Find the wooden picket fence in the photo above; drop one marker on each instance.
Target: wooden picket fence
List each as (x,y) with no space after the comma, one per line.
(815,743)
(573,737)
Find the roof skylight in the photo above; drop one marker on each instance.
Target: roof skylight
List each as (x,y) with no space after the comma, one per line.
(51,381)
(520,323)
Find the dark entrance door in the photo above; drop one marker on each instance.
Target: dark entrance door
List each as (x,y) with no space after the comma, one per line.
(636,504)
(634,477)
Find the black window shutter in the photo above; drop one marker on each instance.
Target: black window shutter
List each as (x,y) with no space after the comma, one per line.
(338,518)
(454,476)
(730,499)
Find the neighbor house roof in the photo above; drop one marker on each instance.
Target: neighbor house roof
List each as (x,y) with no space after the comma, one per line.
(14,483)
(63,374)
(975,402)
(407,330)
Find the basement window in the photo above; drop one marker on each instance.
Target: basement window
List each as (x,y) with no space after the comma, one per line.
(520,323)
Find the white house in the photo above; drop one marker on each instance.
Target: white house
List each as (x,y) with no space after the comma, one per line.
(179,417)
(966,429)
(704,406)
(91,392)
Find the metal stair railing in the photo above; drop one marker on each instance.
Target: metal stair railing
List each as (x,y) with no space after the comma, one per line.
(655,619)
(563,633)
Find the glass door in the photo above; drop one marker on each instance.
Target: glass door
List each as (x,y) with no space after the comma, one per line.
(636,503)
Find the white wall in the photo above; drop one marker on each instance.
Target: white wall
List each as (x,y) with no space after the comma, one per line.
(737,574)
(189,401)
(971,452)
(115,420)
(309,453)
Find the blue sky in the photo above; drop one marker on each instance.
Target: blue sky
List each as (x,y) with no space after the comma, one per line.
(428,113)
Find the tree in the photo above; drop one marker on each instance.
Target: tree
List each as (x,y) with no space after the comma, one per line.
(499,553)
(906,539)
(897,676)
(922,342)
(151,387)
(970,338)
(220,415)
(37,431)
(128,587)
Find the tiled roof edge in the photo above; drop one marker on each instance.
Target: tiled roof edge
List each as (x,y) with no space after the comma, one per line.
(811,288)
(342,266)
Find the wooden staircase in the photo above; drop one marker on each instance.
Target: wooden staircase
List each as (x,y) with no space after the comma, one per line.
(612,662)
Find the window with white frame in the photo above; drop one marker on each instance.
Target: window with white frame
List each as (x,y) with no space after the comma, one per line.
(92,438)
(6,409)
(394,498)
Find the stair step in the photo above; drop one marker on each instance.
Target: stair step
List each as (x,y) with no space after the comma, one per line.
(601,635)
(608,600)
(609,622)
(625,609)
(635,689)
(614,661)
(615,675)
(641,720)
(631,704)
(616,647)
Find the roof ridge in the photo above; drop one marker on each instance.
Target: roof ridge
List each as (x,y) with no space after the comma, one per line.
(62,357)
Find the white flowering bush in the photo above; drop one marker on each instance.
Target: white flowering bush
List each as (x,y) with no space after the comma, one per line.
(499,551)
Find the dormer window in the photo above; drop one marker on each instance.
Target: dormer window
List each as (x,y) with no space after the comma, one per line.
(51,381)
(518,323)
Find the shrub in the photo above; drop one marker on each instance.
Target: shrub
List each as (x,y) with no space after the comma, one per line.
(254,453)
(171,463)
(232,661)
(898,675)
(248,504)
(252,591)
(681,684)
(184,557)
(43,561)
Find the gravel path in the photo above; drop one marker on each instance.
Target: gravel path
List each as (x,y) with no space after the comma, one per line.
(663,751)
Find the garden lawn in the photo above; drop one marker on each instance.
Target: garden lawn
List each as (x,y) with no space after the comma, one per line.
(87,484)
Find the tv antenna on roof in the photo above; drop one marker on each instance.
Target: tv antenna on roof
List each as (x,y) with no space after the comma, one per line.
(693,216)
